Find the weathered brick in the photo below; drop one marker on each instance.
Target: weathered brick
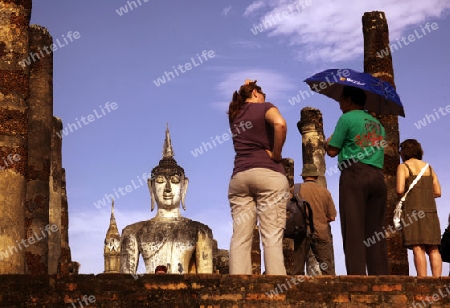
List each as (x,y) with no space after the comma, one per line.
(359,288)
(396,299)
(387,288)
(341,298)
(359,298)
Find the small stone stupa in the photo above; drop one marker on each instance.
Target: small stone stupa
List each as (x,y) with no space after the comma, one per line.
(112,246)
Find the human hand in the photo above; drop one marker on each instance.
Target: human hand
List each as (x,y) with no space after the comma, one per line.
(273,156)
(248,81)
(327,141)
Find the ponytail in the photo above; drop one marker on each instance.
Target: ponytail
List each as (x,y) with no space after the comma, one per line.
(235,106)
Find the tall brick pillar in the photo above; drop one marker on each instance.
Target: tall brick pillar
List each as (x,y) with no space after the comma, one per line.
(40,127)
(14,92)
(376,38)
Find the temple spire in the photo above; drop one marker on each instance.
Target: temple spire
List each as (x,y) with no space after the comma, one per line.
(112,230)
(167,149)
(112,220)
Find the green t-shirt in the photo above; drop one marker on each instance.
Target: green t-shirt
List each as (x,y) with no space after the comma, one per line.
(360,137)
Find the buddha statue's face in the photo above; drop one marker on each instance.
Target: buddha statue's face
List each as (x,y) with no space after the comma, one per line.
(168,190)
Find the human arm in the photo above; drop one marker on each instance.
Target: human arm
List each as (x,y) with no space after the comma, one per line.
(402,172)
(331,209)
(335,142)
(330,150)
(436,185)
(274,118)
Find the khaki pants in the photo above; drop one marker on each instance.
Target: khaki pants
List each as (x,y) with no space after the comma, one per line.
(258,194)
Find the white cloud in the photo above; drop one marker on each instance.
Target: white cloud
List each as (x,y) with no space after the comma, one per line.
(256,5)
(331,30)
(226,10)
(247,44)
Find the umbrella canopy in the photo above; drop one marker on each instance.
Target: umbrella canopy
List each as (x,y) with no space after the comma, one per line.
(381,96)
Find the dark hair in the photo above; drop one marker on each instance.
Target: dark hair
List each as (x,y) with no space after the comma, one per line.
(357,95)
(411,148)
(239,98)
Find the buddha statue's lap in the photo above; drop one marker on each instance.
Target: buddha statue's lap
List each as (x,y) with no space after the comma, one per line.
(181,244)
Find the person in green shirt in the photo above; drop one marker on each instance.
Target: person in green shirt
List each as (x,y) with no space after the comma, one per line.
(358,141)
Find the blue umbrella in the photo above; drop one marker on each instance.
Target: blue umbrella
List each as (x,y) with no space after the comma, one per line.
(381,96)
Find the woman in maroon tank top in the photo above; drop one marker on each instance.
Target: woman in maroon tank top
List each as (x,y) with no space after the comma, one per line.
(258,189)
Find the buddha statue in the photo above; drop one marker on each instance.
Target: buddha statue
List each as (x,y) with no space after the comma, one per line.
(168,239)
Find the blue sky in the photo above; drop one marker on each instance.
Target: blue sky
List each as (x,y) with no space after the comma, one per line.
(118,56)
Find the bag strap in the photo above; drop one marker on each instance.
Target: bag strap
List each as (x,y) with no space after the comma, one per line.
(297,190)
(307,207)
(310,216)
(414,182)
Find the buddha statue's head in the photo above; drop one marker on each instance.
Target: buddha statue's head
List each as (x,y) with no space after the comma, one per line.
(168,183)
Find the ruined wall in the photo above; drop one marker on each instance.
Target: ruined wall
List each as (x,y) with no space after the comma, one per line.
(14,91)
(233,291)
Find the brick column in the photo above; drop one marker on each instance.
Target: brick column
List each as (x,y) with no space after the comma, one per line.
(376,38)
(310,127)
(14,91)
(288,244)
(55,183)
(40,120)
(67,265)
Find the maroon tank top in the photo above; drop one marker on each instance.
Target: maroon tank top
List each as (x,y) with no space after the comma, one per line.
(251,136)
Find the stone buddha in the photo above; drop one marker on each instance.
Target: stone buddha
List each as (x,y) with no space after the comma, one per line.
(168,239)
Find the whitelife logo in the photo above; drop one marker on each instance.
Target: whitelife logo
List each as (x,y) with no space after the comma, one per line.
(90,118)
(187,66)
(34,56)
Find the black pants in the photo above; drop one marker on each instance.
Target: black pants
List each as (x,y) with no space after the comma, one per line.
(362,209)
(322,250)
